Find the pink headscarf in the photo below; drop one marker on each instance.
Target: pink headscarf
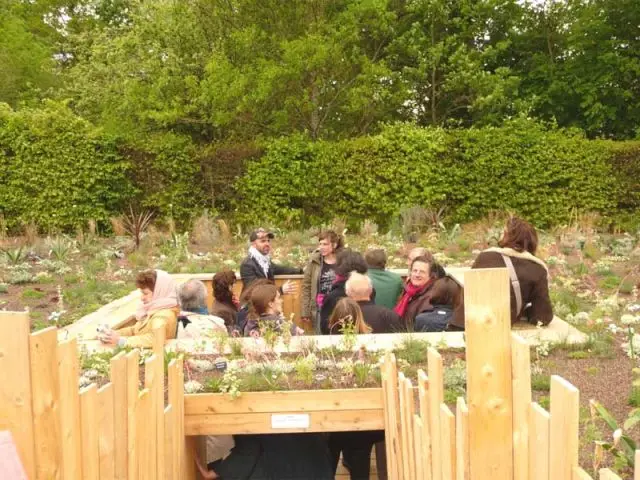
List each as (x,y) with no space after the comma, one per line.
(164,296)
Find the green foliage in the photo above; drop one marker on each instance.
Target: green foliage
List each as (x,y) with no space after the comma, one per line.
(14,256)
(540,382)
(526,167)
(623,446)
(412,350)
(57,170)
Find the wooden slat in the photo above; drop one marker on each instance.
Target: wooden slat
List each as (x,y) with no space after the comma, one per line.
(45,391)
(175,395)
(436,397)
(392,405)
(423,403)
(606,474)
(406,416)
(158,399)
(191,452)
(289,401)
(448,440)
(155,396)
(16,409)
(144,420)
(418,436)
(521,375)
(462,440)
(118,375)
(186,463)
(580,474)
(106,435)
(169,452)
(384,373)
(133,379)
(538,443)
(563,430)
(636,475)
(88,427)
(323,421)
(489,391)
(68,373)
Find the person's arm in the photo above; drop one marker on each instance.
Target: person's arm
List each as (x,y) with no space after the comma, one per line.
(541,309)
(305,311)
(125,331)
(144,339)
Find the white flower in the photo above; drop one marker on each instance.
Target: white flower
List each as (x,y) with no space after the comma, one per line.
(192,387)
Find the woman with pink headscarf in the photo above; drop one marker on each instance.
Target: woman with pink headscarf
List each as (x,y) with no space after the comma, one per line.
(159,307)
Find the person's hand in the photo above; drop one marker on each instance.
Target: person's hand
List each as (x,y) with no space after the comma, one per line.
(206,473)
(299,331)
(289,288)
(109,337)
(254,333)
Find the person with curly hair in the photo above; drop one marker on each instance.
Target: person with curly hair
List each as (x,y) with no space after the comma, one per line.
(226,305)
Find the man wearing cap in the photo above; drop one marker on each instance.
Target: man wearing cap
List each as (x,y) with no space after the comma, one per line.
(258,263)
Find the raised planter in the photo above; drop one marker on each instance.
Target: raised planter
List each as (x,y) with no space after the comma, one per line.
(283,412)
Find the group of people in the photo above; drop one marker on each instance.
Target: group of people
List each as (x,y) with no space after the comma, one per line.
(340,285)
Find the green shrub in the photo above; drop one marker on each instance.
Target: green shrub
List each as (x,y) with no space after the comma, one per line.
(57,170)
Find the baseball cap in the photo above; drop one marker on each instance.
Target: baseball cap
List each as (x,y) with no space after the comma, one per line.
(259,233)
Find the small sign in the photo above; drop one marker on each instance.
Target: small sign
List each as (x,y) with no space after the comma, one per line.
(300,420)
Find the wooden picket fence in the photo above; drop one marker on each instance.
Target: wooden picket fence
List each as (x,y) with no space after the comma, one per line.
(119,431)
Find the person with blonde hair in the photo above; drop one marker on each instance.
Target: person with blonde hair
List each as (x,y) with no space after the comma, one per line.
(347,311)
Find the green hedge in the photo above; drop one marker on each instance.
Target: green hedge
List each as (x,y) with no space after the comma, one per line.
(57,170)
(540,172)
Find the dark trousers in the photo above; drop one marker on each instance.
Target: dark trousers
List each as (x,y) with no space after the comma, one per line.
(356,451)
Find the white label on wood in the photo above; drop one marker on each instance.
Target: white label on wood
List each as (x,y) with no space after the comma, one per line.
(290,421)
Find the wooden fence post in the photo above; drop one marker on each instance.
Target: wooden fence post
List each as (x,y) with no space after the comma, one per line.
(45,391)
(178,415)
(448,441)
(565,418)
(158,399)
(521,374)
(16,410)
(133,381)
(538,443)
(69,372)
(151,383)
(391,406)
(436,397)
(106,438)
(489,392)
(118,376)
(89,428)
(423,395)
(462,440)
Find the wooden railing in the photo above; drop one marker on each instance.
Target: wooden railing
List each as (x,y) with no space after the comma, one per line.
(122,431)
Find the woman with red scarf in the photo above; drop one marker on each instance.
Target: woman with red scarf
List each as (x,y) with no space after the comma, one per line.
(417,296)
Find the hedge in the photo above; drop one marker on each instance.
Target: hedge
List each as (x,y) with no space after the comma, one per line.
(541,172)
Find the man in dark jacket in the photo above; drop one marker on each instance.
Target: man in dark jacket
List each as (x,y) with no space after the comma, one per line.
(380,319)
(258,263)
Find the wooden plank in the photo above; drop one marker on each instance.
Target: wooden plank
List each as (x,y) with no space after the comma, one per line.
(133,379)
(191,452)
(45,391)
(406,413)
(118,375)
(636,475)
(169,452)
(448,440)
(155,397)
(106,434)
(68,374)
(158,399)
(144,421)
(16,409)
(290,401)
(489,390)
(462,440)
(606,474)
(418,436)
(323,421)
(521,385)
(423,397)
(436,397)
(175,396)
(563,430)
(410,413)
(392,405)
(88,427)
(384,373)
(580,474)
(187,465)
(538,442)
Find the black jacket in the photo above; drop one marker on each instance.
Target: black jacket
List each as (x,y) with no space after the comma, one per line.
(329,303)
(381,319)
(250,270)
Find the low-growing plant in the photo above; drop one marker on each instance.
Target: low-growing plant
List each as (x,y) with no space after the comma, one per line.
(32,294)
(412,349)
(362,372)
(540,382)
(4,288)
(60,248)
(304,370)
(220,340)
(136,223)
(621,445)
(235,345)
(14,256)
(349,334)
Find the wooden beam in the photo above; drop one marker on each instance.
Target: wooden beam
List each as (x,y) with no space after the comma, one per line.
(489,386)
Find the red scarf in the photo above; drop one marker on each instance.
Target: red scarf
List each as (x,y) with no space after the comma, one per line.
(410,291)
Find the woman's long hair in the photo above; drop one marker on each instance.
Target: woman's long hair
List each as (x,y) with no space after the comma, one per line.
(222,284)
(348,310)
